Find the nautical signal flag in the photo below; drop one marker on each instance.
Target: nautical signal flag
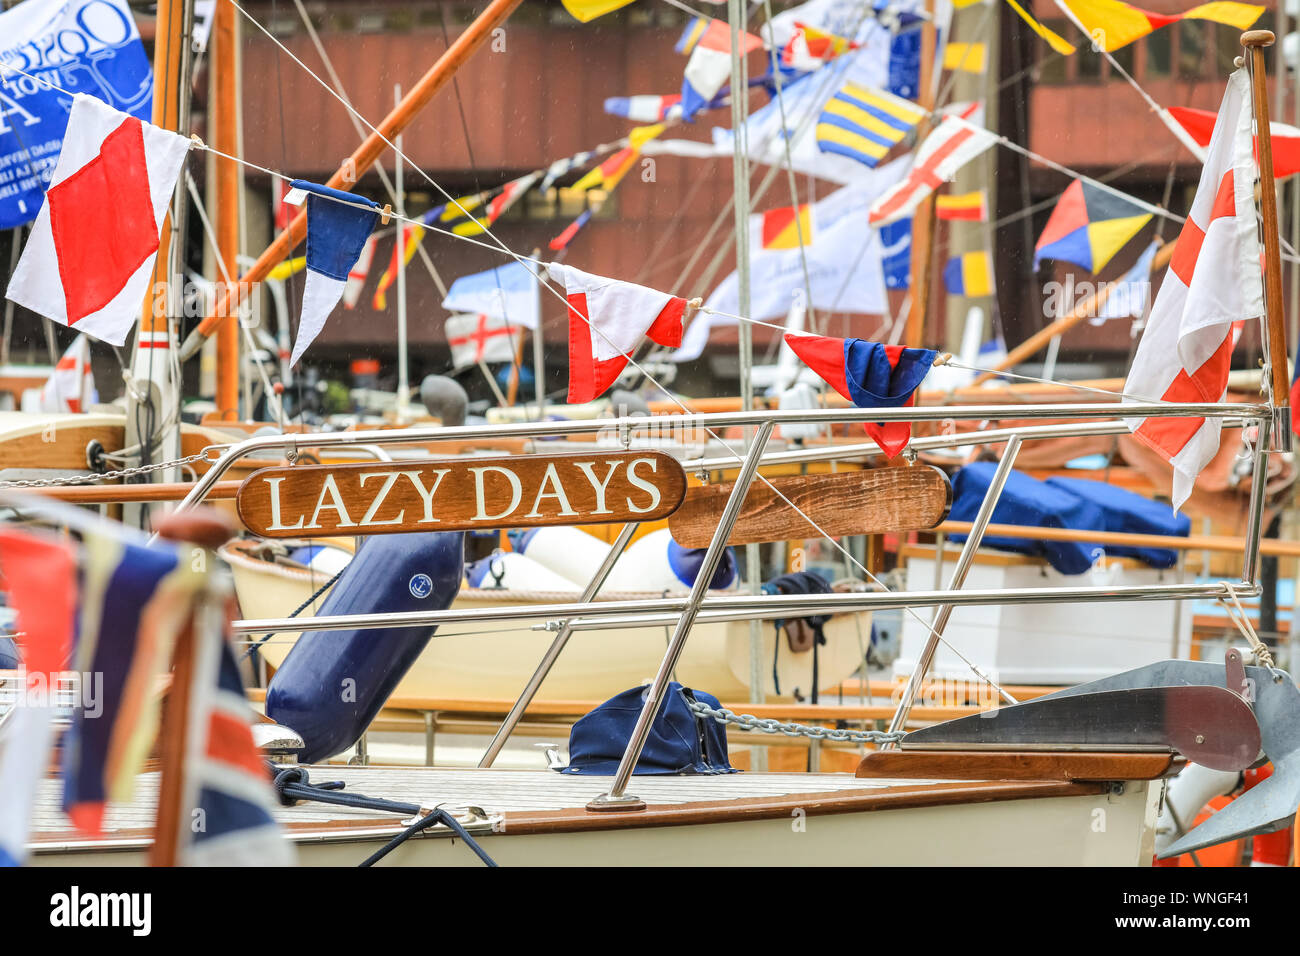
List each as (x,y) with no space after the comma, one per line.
(808,48)
(870,375)
(965,57)
(407,241)
(644,108)
(1113,24)
(71,386)
(865,124)
(1088,226)
(1198,125)
(90,257)
(561,242)
(709,68)
(611,172)
(786,228)
(480,338)
(695,28)
(40,575)
(357,275)
(1214,282)
(963,207)
(338,225)
(510,291)
(1054,40)
(585,11)
(607,320)
(949,147)
(970,274)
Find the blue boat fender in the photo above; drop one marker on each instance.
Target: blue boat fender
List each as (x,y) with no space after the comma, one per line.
(333,683)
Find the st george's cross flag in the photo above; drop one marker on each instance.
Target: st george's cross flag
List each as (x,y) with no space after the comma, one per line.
(607,320)
(870,375)
(90,257)
(40,578)
(949,147)
(480,338)
(338,225)
(1214,280)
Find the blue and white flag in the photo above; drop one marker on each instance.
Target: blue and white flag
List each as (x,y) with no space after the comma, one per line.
(509,292)
(338,225)
(79,46)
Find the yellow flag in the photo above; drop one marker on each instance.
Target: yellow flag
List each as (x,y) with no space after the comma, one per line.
(1054,40)
(966,57)
(588,10)
(1113,24)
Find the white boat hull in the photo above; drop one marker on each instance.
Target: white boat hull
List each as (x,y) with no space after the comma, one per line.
(494,660)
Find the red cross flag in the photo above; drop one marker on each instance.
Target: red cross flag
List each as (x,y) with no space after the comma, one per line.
(950,146)
(1214,280)
(90,257)
(480,338)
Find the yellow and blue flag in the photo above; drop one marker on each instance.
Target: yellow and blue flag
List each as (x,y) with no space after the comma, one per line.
(865,124)
(970,274)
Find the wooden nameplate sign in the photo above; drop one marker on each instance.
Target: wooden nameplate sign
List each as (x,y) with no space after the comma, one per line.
(459,494)
(910,498)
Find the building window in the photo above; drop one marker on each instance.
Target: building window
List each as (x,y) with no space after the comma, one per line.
(1051,70)
(566,203)
(1191,50)
(1087,64)
(1125,57)
(1159,53)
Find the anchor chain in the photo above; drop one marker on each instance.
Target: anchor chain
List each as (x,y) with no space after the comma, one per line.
(792,729)
(108,475)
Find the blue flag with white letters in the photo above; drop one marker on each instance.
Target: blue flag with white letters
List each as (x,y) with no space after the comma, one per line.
(50,49)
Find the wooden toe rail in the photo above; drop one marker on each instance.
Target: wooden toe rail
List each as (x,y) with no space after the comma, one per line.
(1017,765)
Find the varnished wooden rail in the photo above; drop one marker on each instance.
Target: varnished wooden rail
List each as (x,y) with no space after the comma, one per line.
(125,494)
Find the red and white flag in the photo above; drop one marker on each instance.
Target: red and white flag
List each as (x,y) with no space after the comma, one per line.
(1194,128)
(358,274)
(607,320)
(71,386)
(90,257)
(480,338)
(1214,280)
(950,146)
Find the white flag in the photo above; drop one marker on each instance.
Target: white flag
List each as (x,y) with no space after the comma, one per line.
(1186,348)
(71,386)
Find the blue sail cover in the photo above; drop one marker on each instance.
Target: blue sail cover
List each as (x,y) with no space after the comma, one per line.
(1065,503)
(679,742)
(1122,510)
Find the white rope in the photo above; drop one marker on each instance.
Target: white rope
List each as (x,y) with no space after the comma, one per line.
(1238,616)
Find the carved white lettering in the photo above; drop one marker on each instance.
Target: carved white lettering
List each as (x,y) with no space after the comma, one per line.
(551,477)
(331,488)
(647,486)
(368,519)
(426,494)
(516,489)
(600,487)
(275,524)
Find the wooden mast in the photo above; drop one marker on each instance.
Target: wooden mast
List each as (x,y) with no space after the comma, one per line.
(223,83)
(923,217)
(374,145)
(1256,41)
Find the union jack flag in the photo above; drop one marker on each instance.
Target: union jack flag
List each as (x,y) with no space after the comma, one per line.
(226,786)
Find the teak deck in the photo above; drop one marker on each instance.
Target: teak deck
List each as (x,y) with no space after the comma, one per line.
(527,801)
